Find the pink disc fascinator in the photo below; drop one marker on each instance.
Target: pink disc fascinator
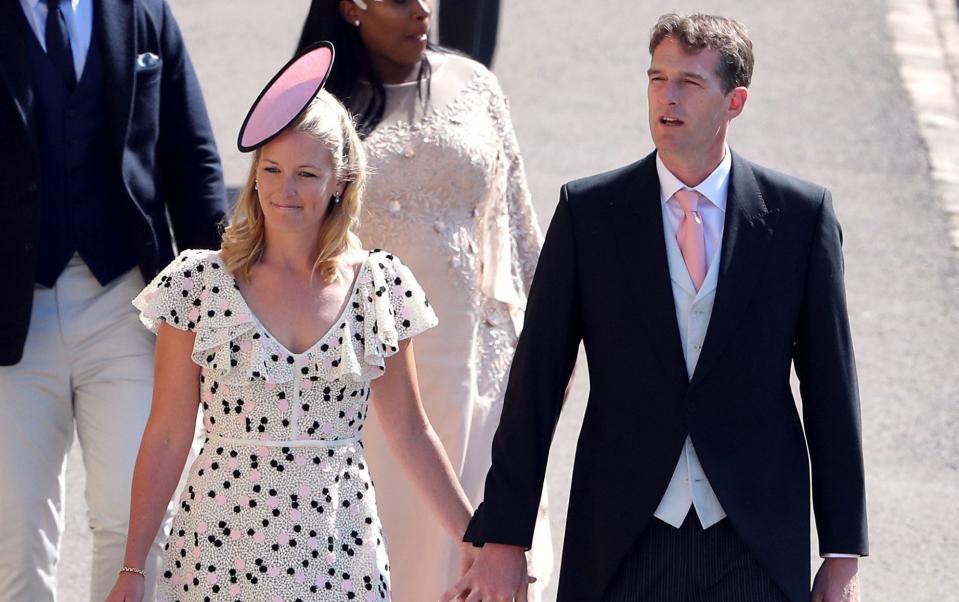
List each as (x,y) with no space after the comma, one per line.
(286,96)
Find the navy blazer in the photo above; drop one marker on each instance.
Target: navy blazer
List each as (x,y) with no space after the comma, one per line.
(603,279)
(161,148)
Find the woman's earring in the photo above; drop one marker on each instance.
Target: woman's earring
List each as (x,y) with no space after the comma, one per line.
(337,197)
(256,185)
(356,23)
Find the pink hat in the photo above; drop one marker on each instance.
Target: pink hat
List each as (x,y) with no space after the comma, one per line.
(286,96)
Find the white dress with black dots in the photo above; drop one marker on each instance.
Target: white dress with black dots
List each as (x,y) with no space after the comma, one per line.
(279,504)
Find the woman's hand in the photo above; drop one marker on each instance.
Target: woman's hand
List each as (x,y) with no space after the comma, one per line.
(128,588)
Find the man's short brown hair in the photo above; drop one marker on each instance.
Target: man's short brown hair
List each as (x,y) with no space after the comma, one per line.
(724,35)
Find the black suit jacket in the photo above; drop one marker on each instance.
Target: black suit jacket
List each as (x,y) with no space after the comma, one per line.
(603,279)
(162,149)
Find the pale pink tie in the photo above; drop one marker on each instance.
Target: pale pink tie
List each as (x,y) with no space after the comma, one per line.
(691,238)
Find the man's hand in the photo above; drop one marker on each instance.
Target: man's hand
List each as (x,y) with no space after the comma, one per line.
(837,581)
(468,554)
(499,574)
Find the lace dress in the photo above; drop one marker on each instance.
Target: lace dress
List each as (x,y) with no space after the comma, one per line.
(448,193)
(280,505)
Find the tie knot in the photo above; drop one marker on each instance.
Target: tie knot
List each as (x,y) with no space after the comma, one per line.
(688,199)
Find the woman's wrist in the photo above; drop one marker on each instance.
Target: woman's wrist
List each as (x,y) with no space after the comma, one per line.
(133,562)
(132,570)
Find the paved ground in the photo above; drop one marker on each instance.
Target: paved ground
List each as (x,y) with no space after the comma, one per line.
(827,104)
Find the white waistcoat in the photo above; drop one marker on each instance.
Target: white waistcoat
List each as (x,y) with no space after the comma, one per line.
(689,485)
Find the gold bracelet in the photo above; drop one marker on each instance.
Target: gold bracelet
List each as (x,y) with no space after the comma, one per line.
(131,569)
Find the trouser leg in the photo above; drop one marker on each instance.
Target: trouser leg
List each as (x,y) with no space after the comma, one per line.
(726,571)
(652,570)
(36,431)
(112,356)
(691,564)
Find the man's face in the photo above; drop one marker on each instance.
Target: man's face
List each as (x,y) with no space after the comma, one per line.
(688,111)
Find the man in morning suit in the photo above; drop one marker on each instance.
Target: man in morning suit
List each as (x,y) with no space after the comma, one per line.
(694,278)
(108,159)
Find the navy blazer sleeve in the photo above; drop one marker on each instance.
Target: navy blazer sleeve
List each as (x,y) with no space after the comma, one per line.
(826,369)
(190,179)
(544,359)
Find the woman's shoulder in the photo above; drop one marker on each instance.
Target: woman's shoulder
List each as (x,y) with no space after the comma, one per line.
(194,263)
(456,62)
(454,67)
(196,257)
(382,260)
(385,267)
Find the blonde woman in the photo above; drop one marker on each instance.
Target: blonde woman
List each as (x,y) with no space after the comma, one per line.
(449,194)
(280,337)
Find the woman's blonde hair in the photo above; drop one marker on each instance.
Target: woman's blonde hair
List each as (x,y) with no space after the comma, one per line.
(244,239)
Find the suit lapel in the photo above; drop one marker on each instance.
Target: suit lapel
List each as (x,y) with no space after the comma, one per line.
(14,64)
(638,225)
(746,235)
(114,27)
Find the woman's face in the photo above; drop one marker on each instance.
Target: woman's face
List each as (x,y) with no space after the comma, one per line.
(394,31)
(296,181)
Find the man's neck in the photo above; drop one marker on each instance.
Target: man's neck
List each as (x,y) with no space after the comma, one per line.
(691,171)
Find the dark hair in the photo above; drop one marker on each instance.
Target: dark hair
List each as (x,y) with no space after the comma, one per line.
(352,63)
(726,36)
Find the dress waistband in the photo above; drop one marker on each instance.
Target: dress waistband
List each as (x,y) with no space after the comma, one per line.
(297,443)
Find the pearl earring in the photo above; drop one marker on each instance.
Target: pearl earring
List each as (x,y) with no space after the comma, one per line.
(356,23)
(337,197)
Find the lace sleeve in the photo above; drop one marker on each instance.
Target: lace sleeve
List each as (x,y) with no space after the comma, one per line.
(524,227)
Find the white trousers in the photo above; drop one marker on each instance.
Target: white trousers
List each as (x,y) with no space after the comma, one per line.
(88,365)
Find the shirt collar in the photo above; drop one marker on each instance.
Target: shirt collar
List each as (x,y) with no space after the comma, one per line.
(715,187)
(33,3)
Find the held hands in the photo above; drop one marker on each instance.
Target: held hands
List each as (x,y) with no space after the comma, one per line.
(128,588)
(498,574)
(837,581)
(468,555)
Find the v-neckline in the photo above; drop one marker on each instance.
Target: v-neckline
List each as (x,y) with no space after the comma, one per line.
(344,308)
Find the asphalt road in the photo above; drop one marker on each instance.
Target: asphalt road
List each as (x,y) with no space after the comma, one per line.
(826,104)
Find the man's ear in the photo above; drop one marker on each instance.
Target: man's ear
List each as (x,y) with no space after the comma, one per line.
(736,101)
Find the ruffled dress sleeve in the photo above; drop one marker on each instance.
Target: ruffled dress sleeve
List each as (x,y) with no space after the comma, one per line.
(174,295)
(396,308)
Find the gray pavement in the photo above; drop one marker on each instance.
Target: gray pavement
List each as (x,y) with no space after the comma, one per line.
(827,104)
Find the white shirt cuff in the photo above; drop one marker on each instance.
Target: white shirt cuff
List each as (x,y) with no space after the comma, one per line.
(841,556)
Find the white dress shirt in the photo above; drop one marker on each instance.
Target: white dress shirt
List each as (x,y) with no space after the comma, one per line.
(78,15)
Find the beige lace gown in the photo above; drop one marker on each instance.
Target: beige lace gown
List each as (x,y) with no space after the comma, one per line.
(448,194)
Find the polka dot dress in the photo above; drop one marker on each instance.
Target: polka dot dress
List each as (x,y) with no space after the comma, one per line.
(280,504)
